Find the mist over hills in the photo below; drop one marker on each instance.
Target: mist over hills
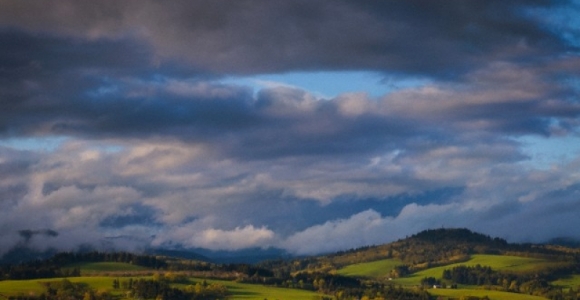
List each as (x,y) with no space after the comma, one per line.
(248,256)
(445,238)
(565,241)
(457,260)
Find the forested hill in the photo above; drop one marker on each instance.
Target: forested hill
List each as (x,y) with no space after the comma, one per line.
(427,249)
(458,235)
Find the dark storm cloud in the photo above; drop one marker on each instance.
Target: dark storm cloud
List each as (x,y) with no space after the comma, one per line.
(42,78)
(50,85)
(288,215)
(87,71)
(108,97)
(28,234)
(84,88)
(419,37)
(137,214)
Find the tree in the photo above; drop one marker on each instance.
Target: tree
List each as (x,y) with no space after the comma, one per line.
(89,295)
(115,283)
(514,286)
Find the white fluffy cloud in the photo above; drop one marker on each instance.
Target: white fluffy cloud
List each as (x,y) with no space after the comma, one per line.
(193,235)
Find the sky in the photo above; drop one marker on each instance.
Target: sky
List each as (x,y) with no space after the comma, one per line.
(309,126)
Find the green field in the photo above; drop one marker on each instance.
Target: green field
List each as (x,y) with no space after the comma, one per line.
(496,262)
(260,292)
(34,286)
(237,290)
(569,282)
(375,269)
(493,295)
(380,269)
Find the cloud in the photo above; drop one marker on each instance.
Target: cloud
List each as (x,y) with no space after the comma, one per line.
(244,37)
(151,147)
(536,221)
(339,234)
(28,234)
(500,98)
(191,235)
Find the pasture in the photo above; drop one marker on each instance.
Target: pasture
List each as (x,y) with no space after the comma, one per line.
(35,287)
(502,263)
(493,295)
(260,292)
(381,268)
(568,282)
(237,290)
(375,269)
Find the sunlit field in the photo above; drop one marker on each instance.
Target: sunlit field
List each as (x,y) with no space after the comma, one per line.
(569,282)
(375,269)
(35,287)
(493,295)
(103,283)
(497,262)
(260,292)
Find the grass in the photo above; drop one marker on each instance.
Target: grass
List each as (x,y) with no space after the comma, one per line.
(497,262)
(510,263)
(493,295)
(34,286)
(20,287)
(375,269)
(238,290)
(260,292)
(568,282)
(380,269)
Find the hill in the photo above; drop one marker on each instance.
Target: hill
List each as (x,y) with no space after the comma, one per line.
(463,263)
(434,247)
(470,262)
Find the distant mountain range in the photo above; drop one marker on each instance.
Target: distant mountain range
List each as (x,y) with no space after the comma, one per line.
(249,256)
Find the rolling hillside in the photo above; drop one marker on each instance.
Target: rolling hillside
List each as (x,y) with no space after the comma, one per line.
(436,247)
(512,270)
(460,263)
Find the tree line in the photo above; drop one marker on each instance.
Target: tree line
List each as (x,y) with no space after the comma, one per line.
(161,288)
(148,261)
(158,289)
(66,290)
(537,283)
(55,267)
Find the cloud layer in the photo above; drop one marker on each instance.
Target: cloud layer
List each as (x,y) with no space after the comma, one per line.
(149,146)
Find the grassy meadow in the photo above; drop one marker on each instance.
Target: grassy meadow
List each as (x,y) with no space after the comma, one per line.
(375,269)
(568,282)
(104,283)
(260,292)
(493,295)
(99,276)
(381,268)
(35,287)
